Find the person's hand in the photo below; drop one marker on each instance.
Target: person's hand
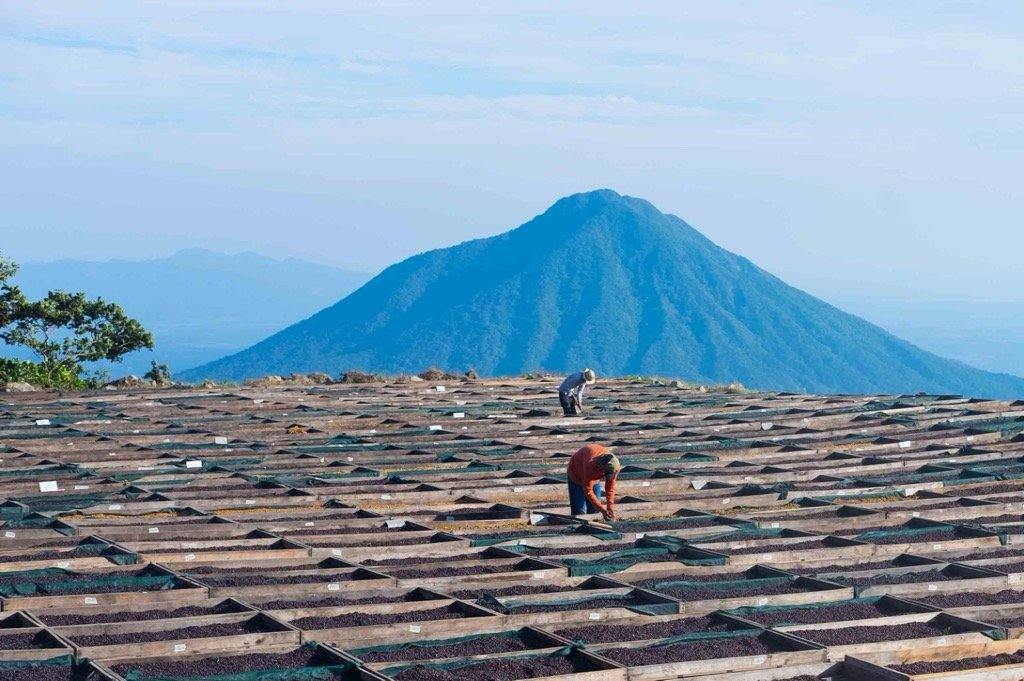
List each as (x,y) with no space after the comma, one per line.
(608,515)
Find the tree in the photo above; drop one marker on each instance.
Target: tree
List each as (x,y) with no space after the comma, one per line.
(10,295)
(160,374)
(66,329)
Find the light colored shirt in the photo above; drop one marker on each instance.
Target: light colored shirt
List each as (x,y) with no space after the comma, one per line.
(573,385)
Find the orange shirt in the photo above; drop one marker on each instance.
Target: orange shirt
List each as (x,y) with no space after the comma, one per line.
(585,471)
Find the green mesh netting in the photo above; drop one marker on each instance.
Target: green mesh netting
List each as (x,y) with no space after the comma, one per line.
(14,665)
(36,583)
(616,561)
(909,532)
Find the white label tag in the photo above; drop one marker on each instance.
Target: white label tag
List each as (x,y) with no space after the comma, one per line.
(48,486)
(154,530)
(393,524)
(774,525)
(767,556)
(114,507)
(250,502)
(594,616)
(309,523)
(640,535)
(111,453)
(194,464)
(433,427)
(350,458)
(936,547)
(906,444)
(933,587)
(63,565)
(42,422)
(220,440)
(89,600)
(334,587)
(762,601)
(415,628)
(517,490)
(538,575)
(767,425)
(440,388)
(180,647)
(10,535)
(81,486)
(337,552)
(645,483)
(385,496)
(459,415)
(726,501)
(190,557)
(916,514)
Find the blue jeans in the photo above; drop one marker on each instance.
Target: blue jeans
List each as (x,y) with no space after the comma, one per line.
(578,503)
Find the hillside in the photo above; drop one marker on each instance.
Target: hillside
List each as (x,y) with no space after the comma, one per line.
(610,282)
(200,305)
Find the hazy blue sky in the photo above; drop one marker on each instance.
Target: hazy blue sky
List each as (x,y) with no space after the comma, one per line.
(857,148)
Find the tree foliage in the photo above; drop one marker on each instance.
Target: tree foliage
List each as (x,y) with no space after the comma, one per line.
(160,374)
(66,329)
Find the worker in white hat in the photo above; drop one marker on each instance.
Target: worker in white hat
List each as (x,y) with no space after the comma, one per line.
(570,392)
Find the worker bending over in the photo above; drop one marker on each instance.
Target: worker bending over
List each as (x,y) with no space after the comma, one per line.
(587,468)
(570,393)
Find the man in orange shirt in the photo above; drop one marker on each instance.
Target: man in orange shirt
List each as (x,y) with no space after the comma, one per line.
(587,468)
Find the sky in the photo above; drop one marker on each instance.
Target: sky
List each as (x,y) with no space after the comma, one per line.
(855,149)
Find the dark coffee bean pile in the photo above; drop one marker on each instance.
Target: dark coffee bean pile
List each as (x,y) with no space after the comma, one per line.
(900,578)
(607,547)
(938,666)
(623,602)
(840,612)
(964,599)
(224,570)
(48,673)
(986,520)
(486,645)
(129,616)
(212,666)
(610,633)
(708,649)
(26,641)
(700,593)
(498,670)
(1007,567)
(362,619)
(778,548)
(715,577)
(519,590)
(372,541)
(874,565)
(258,580)
(400,561)
(204,631)
(440,571)
(664,524)
(310,602)
(939,535)
(853,635)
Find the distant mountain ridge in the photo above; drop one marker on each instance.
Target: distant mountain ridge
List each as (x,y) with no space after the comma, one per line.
(606,281)
(199,304)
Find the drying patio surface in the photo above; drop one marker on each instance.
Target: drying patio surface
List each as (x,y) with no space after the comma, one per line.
(420,530)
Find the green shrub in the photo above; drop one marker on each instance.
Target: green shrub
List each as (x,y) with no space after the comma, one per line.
(18,370)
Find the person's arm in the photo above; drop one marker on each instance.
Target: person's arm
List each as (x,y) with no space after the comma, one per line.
(609,493)
(592,498)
